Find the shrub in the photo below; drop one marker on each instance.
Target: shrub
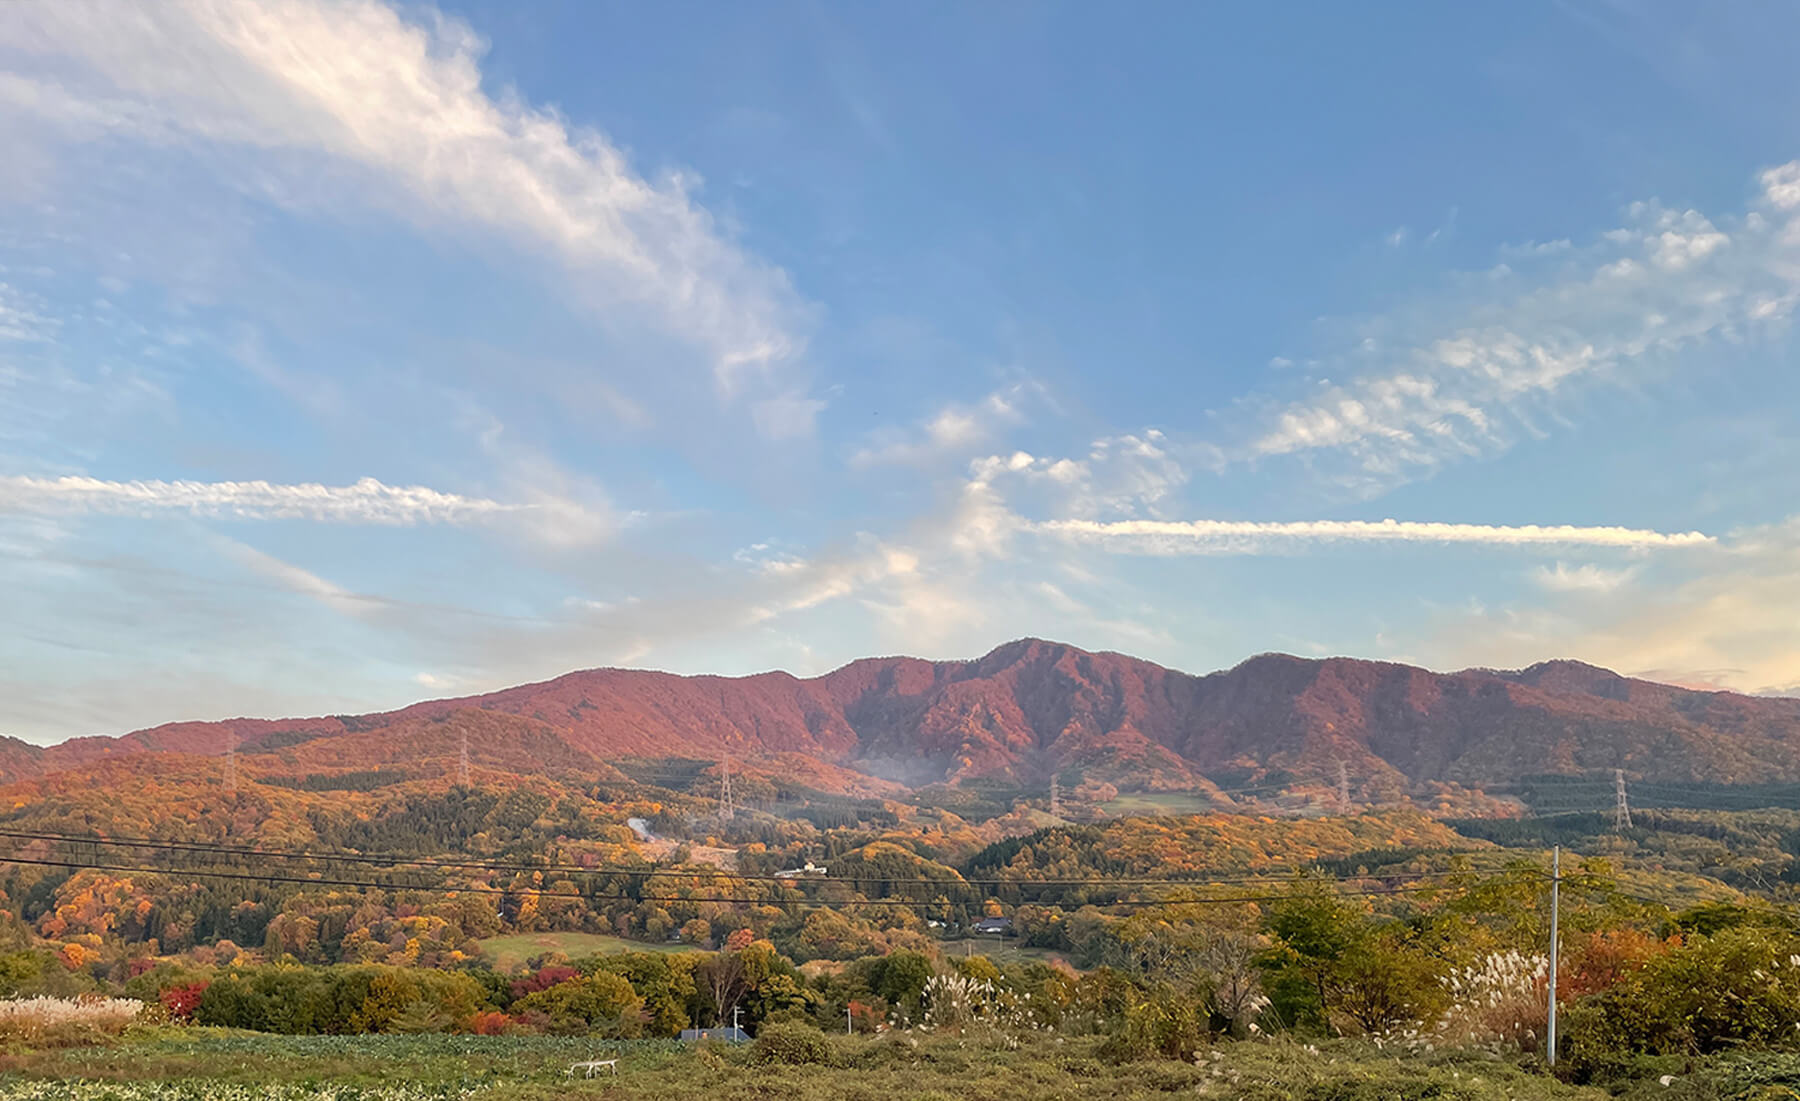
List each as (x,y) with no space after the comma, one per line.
(1165,1023)
(182,1002)
(1600,961)
(790,1045)
(600,1003)
(490,1023)
(1740,986)
(149,985)
(337,1000)
(900,977)
(543,979)
(40,972)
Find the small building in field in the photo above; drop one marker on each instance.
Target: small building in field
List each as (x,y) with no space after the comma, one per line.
(795,873)
(728,1033)
(993,927)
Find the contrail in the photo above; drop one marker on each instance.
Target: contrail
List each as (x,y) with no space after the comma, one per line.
(364,502)
(1228,536)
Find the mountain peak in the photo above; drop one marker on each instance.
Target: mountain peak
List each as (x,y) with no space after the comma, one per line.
(1569,675)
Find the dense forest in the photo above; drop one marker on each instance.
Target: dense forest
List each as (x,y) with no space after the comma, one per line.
(637,903)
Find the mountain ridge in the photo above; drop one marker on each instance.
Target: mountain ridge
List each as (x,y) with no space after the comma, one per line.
(1031,708)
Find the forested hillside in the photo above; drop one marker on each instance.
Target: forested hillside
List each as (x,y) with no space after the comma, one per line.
(1032,710)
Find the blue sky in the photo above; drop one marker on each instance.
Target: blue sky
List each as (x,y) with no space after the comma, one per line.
(352,354)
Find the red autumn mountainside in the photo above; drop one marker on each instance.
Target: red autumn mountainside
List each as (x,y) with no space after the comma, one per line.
(1031,708)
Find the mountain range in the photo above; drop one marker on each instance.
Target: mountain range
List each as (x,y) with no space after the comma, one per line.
(1032,709)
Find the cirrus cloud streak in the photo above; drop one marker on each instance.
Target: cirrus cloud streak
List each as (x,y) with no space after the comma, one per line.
(1171,537)
(366,501)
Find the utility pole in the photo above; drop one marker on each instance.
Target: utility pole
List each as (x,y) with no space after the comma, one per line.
(736,1032)
(725,808)
(462,762)
(1621,809)
(1055,797)
(849,1023)
(1555,903)
(1343,787)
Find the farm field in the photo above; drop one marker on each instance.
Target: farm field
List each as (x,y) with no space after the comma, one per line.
(1157,802)
(1001,951)
(170,1064)
(191,1064)
(508,953)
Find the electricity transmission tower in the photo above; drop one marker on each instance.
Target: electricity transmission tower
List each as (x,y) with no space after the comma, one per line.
(1621,808)
(726,809)
(462,762)
(1343,787)
(1055,798)
(231,764)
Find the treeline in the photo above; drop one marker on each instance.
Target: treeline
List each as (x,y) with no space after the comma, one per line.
(1750,850)
(1460,966)
(355,780)
(1558,794)
(885,890)
(1074,866)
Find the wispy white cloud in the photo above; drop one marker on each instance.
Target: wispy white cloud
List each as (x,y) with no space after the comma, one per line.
(798,584)
(1129,474)
(366,501)
(1423,391)
(397,109)
(22,317)
(1585,578)
(298,580)
(1241,536)
(951,432)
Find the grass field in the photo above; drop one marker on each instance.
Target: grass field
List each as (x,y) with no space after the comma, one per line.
(184,1064)
(999,950)
(201,1064)
(510,952)
(1158,802)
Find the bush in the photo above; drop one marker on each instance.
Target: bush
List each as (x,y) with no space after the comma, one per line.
(41,973)
(900,977)
(491,1023)
(1164,1025)
(338,1000)
(1740,986)
(149,985)
(182,1002)
(293,1000)
(792,1045)
(601,1003)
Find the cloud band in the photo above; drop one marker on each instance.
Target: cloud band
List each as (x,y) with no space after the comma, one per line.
(365,502)
(1237,536)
